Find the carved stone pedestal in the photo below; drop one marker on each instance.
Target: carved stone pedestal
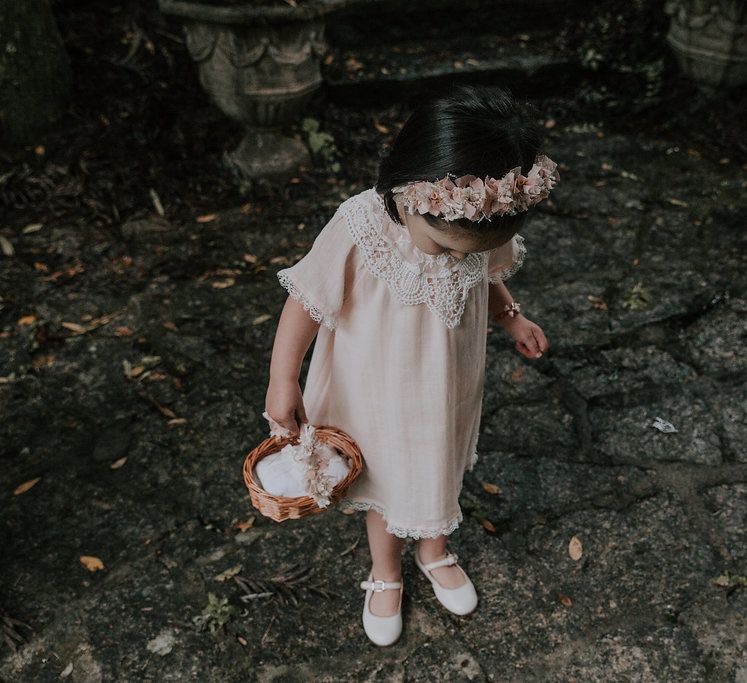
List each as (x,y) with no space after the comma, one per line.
(260,65)
(709,39)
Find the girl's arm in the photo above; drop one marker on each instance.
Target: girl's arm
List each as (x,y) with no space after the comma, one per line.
(295,332)
(529,337)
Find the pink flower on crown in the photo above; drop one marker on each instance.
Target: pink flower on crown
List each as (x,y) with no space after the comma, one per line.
(502,192)
(548,170)
(471,194)
(533,185)
(417,198)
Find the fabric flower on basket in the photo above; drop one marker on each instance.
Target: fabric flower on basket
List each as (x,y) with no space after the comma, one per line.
(309,468)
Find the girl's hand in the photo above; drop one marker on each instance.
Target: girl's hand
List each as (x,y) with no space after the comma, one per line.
(529,337)
(284,404)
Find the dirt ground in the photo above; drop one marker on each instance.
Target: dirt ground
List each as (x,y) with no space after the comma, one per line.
(137,314)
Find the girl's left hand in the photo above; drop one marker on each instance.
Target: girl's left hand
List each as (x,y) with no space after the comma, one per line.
(529,337)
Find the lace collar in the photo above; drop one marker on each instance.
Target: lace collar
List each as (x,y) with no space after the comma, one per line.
(441,281)
(437,265)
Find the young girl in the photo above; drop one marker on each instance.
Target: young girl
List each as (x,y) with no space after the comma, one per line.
(398,288)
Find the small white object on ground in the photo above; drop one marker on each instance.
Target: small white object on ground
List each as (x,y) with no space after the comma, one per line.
(663,425)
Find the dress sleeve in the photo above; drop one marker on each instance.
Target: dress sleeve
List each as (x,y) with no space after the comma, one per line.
(505,260)
(322,279)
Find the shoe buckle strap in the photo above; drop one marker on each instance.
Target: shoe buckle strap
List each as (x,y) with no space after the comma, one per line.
(378,585)
(451,558)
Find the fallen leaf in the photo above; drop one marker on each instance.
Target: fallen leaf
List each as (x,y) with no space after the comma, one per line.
(74,327)
(32,227)
(118,463)
(380,127)
(228,574)
(39,150)
(488,525)
(22,488)
(42,361)
(518,375)
(222,284)
(250,258)
(630,176)
(67,671)
(206,218)
(243,526)
(606,166)
(123,331)
(177,421)
(491,488)
(261,319)
(282,260)
(575,548)
(43,267)
(565,601)
(6,246)
(162,644)
(26,319)
(677,202)
(91,563)
(156,202)
(550,123)
(597,302)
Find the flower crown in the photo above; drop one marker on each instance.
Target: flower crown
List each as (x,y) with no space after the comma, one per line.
(473,198)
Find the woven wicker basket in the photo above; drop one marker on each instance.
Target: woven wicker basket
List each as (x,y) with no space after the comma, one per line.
(281,508)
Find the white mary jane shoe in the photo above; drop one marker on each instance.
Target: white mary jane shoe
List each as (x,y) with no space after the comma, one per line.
(382,630)
(459,600)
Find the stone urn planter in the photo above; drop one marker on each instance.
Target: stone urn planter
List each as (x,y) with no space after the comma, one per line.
(260,63)
(709,39)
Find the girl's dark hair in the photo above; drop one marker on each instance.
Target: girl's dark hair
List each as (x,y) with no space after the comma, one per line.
(469,129)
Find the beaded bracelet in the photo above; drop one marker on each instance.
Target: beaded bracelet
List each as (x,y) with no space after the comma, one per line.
(510,310)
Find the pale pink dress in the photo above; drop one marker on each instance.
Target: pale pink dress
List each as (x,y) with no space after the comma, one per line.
(399,359)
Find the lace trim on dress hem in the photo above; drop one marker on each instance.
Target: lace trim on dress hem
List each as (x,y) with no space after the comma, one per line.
(507,272)
(402,531)
(316,313)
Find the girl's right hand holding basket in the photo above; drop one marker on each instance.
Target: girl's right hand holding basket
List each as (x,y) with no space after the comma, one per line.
(284,404)
(284,400)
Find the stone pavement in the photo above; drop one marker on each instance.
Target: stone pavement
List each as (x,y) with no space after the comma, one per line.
(636,274)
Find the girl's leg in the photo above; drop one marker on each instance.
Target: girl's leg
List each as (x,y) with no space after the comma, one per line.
(431,549)
(386,555)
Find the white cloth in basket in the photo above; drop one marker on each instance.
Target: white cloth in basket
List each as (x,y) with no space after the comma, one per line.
(282,475)
(288,472)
